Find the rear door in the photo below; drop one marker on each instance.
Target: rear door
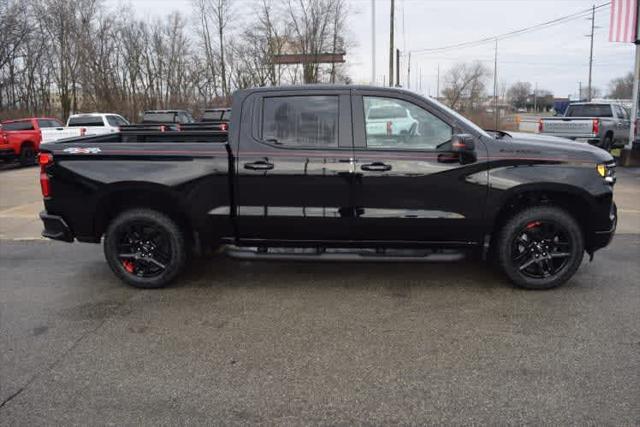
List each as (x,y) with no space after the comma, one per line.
(409,186)
(294,166)
(622,124)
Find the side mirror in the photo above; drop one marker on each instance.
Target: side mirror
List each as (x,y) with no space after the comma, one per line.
(463,144)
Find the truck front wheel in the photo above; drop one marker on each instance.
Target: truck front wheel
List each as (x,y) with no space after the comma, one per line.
(145,248)
(540,247)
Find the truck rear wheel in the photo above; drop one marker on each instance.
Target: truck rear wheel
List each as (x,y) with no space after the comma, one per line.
(540,247)
(27,155)
(145,248)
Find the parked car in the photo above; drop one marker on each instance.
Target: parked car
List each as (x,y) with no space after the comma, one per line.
(300,177)
(389,120)
(97,123)
(605,125)
(21,139)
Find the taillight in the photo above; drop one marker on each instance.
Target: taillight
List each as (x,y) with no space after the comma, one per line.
(83,131)
(178,126)
(163,128)
(596,126)
(44,160)
(540,126)
(224,127)
(389,128)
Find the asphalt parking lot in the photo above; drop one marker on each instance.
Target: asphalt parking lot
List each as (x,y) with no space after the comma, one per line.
(238,342)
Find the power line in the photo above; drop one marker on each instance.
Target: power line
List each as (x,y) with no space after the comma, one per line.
(567,18)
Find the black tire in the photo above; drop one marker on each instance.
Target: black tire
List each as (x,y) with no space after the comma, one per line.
(540,247)
(145,248)
(607,143)
(27,155)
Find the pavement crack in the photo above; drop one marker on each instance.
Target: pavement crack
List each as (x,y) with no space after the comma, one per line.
(64,354)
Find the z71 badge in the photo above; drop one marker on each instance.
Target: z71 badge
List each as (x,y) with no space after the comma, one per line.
(82,150)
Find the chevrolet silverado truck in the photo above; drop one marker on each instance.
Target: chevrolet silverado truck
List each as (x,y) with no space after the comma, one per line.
(20,139)
(97,123)
(300,177)
(605,125)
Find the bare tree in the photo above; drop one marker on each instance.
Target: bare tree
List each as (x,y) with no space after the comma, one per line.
(621,87)
(518,94)
(465,85)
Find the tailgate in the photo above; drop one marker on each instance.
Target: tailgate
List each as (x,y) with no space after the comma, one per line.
(567,127)
(54,134)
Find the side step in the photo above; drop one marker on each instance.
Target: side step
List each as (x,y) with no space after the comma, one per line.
(339,254)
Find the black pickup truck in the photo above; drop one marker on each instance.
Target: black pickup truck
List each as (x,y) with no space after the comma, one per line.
(331,172)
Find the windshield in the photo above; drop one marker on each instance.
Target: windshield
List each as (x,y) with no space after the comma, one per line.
(460,118)
(589,110)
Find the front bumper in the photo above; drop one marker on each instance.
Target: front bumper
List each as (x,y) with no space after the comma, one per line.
(55,228)
(600,239)
(7,153)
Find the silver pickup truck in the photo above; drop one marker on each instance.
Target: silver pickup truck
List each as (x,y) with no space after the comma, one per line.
(603,124)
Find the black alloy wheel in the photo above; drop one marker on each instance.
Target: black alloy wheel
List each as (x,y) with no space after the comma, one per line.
(540,247)
(145,248)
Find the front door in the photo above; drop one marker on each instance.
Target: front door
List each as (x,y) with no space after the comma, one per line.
(294,168)
(409,185)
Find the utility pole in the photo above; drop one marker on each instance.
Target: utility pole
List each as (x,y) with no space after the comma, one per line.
(391,44)
(580,91)
(373,42)
(495,85)
(593,22)
(535,98)
(438,84)
(409,72)
(398,67)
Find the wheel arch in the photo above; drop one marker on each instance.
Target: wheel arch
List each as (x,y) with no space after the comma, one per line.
(118,197)
(574,200)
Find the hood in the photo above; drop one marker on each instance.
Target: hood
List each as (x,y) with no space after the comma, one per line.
(532,144)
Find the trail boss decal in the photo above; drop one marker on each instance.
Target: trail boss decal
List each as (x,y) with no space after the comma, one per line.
(81,150)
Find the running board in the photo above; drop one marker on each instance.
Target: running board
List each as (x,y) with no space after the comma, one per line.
(339,254)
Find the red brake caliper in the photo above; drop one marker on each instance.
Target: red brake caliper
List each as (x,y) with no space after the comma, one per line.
(533,224)
(128,265)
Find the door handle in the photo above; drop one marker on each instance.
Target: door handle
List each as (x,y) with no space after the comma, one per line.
(376,167)
(260,165)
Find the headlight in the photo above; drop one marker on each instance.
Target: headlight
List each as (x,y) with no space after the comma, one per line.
(607,171)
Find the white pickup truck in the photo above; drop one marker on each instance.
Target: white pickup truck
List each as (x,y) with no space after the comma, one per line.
(97,123)
(603,124)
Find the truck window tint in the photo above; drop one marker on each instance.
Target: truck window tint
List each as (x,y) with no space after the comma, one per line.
(160,117)
(212,115)
(396,124)
(115,121)
(49,123)
(589,110)
(86,121)
(26,125)
(302,121)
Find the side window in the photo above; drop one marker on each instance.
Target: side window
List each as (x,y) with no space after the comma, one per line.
(301,121)
(113,121)
(396,124)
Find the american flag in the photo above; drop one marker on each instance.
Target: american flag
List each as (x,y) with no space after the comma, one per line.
(622,25)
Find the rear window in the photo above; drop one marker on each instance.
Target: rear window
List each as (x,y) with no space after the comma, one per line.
(86,121)
(388,112)
(216,115)
(159,117)
(591,110)
(26,125)
(49,123)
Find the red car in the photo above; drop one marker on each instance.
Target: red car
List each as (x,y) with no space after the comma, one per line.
(20,139)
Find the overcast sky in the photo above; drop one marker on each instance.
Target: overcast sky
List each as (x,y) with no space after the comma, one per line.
(557,58)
